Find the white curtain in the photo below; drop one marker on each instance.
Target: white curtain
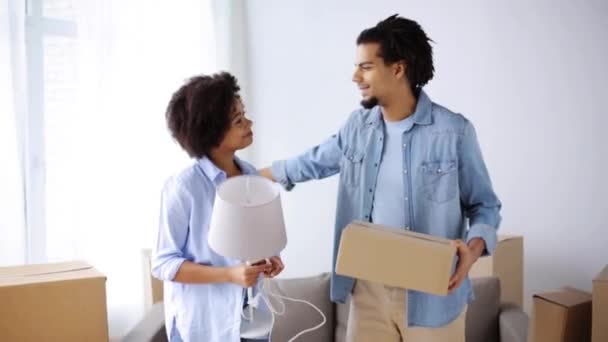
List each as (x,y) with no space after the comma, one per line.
(232,49)
(106,148)
(133,56)
(12,214)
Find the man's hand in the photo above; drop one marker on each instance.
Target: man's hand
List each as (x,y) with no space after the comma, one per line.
(267,173)
(246,275)
(467,255)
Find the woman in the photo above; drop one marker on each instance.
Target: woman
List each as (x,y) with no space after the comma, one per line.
(203,290)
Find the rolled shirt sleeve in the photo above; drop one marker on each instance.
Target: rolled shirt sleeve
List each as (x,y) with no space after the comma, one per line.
(480,204)
(173,231)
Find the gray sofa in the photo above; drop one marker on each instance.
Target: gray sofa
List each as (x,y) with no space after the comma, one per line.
(487,319)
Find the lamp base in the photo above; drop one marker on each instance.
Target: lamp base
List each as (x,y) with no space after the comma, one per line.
(258,326)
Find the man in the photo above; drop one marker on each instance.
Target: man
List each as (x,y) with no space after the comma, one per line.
(406,162)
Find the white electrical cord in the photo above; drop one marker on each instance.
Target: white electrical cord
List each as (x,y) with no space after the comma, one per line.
(255,303)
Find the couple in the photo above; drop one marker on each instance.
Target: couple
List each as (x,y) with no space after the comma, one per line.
(403,161)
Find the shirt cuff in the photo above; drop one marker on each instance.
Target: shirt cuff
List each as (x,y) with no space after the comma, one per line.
(168,270)
(279,172)
(485,232)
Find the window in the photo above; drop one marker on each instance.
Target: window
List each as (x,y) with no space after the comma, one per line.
(51,36)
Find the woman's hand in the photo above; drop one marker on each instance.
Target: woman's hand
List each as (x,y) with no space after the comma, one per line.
(247,275)
(277,267)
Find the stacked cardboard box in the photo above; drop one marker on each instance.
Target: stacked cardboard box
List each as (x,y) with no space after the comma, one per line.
(562,315)
(600,307)
(506,263)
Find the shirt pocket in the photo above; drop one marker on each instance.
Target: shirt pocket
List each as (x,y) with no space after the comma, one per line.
(350,167)
(439,180)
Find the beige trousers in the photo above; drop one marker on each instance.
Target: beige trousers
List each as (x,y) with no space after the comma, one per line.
(378,313)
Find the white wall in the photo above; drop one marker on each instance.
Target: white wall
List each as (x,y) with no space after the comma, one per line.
(532,78)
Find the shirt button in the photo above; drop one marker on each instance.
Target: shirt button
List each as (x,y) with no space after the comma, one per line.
(404,145)
(407,228)
(405,171)
(406,198)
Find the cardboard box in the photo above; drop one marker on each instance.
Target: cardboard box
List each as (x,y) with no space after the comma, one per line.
(53,302)
(396,257)
(561,316)
(506,263)
(600,307)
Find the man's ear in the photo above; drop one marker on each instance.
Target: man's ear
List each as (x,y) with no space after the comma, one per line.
(400,69)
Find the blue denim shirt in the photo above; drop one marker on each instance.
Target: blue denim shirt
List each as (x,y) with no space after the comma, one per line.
(447,182)
(195,312)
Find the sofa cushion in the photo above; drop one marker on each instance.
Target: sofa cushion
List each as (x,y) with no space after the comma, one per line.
(151,328)
(482,314)
(301,316)
(513,323)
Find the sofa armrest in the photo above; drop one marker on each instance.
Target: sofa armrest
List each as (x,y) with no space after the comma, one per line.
(151,328)
(512,323)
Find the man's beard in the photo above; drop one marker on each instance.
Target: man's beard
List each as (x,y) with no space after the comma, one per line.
(369,103)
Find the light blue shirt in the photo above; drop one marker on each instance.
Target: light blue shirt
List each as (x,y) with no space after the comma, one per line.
(447,180)
(198,312)
(391,203)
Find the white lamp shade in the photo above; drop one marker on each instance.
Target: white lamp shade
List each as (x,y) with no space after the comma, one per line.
(247,219)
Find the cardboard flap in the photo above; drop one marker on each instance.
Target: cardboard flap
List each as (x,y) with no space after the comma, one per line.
(602,276)
(40,269)
(53,302)
(566,297)
(43,273)
(401,232)
(508,237)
